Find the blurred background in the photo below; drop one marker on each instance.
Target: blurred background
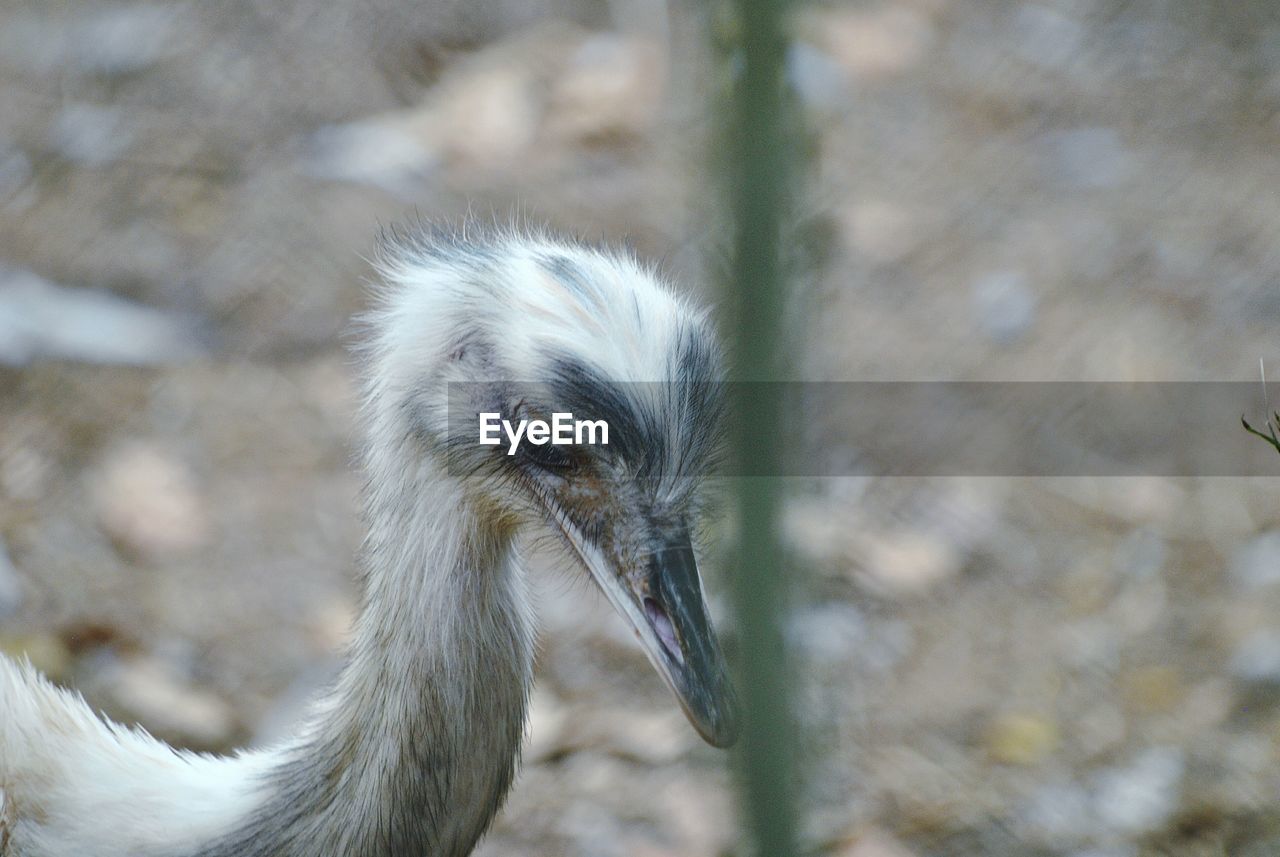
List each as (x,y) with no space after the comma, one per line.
(996,190)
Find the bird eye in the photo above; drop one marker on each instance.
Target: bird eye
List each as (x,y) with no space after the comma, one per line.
(548,456)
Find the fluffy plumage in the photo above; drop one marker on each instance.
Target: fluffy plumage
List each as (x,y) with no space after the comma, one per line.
(414,748)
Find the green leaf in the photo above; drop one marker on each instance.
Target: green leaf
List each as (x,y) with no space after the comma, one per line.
(1270,437)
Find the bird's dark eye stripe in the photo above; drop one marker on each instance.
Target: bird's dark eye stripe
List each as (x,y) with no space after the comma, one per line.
(547,456)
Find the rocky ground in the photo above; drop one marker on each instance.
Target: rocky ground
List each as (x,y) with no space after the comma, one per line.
(1066,189)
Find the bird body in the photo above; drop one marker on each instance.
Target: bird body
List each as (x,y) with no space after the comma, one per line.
(414,747)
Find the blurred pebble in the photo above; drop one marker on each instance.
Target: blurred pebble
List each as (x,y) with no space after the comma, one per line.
(16,170)
(279,719)
(1140,797)
(892,641)
(1251,754)
(828,633)
(874,842)
(1098,730)
(908,562)
(1004,306)
(643,848)
(921,782)
(1140,555)
(1087,586)
(817,528)
(1057,814)
(148,690)
(652,737)
(488,112)
(831,635)
(1135,500)
(1155,689)
(39,319)
(32,43)
(486,119)
(1208,705)
(1089,643)
(147,502)
(329,625)
(819,80)
(1257,658)
(330,387)
(1140,607)
(1256,564)
(48,653)
(611,89)
(1045,37)
(10,584)
(1224,511)
(90,135)
(1182,248)
(114,41)
(582,821)
(1089,243)
(121,40)
(878,231)
(377,152)
(965,512)
(873,43)
(1021,739)
(1089,158)
(702,817)
(545,726)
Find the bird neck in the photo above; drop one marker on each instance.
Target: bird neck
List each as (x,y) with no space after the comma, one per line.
(415,748)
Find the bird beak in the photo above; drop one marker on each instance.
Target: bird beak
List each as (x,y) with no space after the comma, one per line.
(661,596)
(686,652)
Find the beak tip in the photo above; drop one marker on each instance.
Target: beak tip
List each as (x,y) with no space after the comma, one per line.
(722,728)
(723,739)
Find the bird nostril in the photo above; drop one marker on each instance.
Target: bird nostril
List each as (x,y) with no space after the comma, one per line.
(662,626)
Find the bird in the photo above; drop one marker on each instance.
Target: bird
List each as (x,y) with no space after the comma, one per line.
(413,747)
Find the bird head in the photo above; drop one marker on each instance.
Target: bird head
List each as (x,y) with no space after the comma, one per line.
(512,329)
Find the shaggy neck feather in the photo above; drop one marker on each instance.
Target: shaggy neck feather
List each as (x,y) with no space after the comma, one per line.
(415,748)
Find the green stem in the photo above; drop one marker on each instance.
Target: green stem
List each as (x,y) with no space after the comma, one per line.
(759,174)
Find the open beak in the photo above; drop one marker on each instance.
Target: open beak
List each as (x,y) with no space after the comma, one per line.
(663,601)
(688,655)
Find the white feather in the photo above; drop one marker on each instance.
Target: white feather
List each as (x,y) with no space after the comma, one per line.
(75,784)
